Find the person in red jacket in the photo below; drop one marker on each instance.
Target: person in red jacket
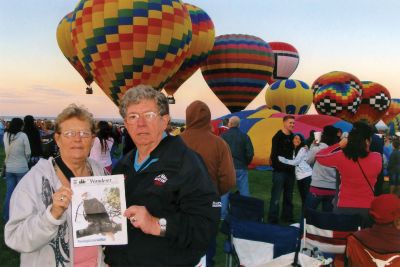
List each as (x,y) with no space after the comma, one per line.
(380,244)
(358,170)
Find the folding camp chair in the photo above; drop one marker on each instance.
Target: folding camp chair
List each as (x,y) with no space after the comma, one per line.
(240,207)
(257,243)
(327,231)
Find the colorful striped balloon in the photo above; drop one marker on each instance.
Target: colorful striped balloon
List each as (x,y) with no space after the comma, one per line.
(394,125)
(337,99)
(65,44)
(203,36)
(375,102)
(289,96)
(286,60)
(393,110)
(238,69)
(124,43)
(337,77)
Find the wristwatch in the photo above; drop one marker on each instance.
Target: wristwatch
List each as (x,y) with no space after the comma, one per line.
(163,226)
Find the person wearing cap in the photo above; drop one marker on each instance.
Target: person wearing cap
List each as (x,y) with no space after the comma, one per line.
(380,244)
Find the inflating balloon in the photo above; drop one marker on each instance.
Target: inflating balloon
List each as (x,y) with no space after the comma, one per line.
(337,77)
(337,99)
(375,102)
(124,43)
(286,60)
(203,36)
(65,43)
(393,110)
(289,96)
(238,69)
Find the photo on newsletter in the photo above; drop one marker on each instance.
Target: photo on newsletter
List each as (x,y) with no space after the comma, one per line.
(98,203)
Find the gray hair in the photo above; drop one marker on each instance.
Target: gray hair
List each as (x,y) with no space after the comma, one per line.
(140,92)
(75,111)
(234,121)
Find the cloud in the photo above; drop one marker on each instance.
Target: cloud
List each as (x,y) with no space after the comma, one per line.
(48,91)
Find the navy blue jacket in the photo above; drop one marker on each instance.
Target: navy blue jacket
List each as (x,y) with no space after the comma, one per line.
(241,147)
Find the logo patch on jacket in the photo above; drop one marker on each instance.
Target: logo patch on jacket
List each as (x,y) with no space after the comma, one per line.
(160,180)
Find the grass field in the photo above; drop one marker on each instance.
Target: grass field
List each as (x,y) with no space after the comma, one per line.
(260,187)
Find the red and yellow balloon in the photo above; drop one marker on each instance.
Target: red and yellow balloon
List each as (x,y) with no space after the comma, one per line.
(124,43)
(203,36)
(65,43)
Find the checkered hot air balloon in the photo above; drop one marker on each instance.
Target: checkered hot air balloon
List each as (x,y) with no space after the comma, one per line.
(238,69)
(393,110)
(337,77)
(124,43)
(203,36)
(375,101)
(65,44)
(289,96)
(337,99)
(286,60)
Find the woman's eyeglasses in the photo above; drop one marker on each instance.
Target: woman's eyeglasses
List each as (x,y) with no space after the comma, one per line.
(73,133)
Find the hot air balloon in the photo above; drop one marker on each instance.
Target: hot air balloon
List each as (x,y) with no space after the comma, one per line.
(337,99)
(289,96)
(65,43)
(286,60)
(124,43)
(393,111)
(238,69)
(375,102)
(203,36)
(337,77)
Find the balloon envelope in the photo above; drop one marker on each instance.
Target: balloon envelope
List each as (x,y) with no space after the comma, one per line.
(203,36)
(393,111)
(65,44)
(124,43)
(286,60)
(337,77)
(238,69)
(289,96)
(337,99)
(375,102)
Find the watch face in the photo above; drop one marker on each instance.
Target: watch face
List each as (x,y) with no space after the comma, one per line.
(162,222)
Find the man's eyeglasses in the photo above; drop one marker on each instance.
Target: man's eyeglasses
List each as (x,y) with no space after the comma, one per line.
(149,116)
(72,133)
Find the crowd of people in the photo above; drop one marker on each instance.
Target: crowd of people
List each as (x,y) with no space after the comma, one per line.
(177,187)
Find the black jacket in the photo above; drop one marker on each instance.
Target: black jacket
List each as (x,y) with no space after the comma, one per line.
(176,187)
(282,145)
(241,147)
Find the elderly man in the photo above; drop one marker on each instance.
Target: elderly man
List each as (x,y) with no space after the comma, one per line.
(242,154)
(173,206)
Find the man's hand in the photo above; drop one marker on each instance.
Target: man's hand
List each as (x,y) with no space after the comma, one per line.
(142,219)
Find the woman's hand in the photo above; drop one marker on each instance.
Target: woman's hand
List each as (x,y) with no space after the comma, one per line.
(142,219)
(61,200)
(343,142)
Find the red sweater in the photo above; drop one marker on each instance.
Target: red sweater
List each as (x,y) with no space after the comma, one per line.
(354,191)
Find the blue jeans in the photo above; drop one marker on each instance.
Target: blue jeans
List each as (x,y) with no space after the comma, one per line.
(12,180)
(242,184)
(281,181)
(313,201)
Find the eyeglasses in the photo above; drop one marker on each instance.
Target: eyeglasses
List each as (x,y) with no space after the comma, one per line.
(73,133)
(134,117)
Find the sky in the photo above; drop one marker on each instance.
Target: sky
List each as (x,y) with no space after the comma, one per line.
(360,37)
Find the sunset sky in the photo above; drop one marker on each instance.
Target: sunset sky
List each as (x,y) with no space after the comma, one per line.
(360,37)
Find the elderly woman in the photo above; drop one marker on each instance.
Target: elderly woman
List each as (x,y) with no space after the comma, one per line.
(40,211)
(173,205)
